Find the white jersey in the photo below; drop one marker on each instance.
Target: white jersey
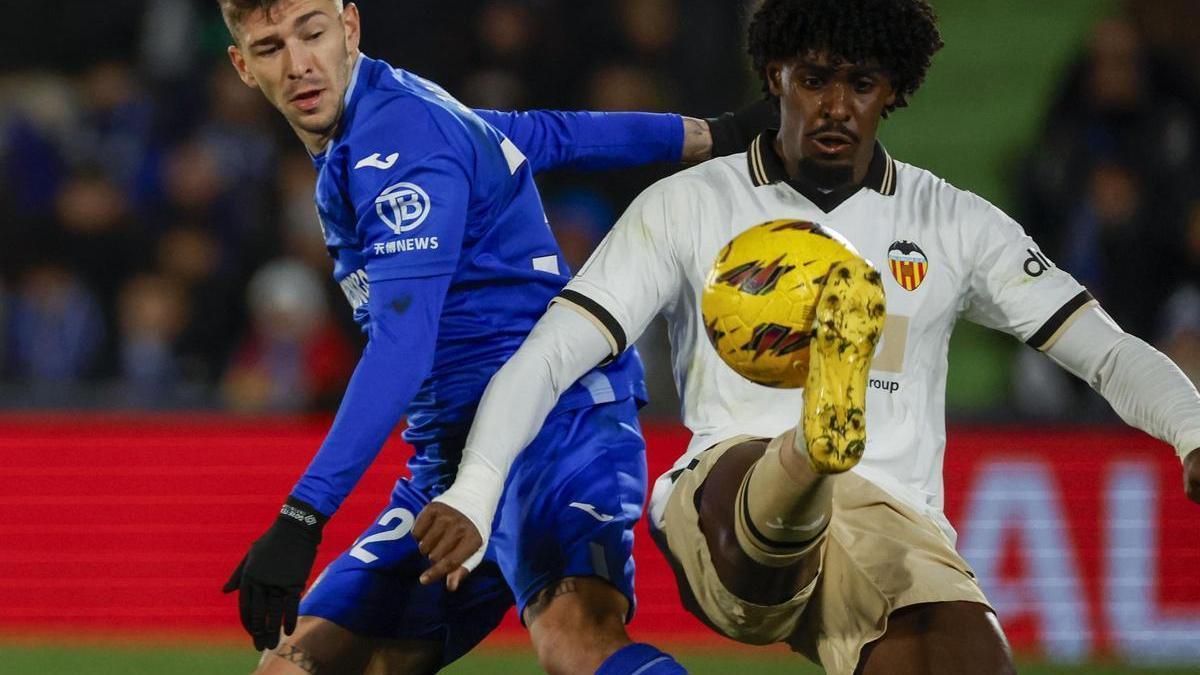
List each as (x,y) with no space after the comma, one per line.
(943,253)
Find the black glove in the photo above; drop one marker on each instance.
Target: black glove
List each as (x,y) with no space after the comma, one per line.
(733,131)
(271,578)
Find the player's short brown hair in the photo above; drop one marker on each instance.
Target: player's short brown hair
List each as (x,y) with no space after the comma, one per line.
(233,11)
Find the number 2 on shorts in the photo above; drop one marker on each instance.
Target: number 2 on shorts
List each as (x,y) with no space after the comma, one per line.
(406,522)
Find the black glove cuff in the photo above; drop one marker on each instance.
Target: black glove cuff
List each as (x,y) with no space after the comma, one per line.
(726,135)
(733,132)
(301,515)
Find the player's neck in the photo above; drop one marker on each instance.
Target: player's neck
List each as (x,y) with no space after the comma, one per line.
(316,143)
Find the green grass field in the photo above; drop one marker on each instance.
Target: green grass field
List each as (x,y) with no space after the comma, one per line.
(54,660)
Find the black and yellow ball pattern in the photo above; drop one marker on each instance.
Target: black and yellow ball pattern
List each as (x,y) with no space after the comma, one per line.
(761,295)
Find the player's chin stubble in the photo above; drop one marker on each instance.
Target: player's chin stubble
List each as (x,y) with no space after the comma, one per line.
(828,175)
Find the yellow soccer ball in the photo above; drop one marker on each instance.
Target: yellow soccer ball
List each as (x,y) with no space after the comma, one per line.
(761,295)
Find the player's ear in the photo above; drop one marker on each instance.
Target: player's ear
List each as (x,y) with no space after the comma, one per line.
(239,64)
(775,78)
(353,27)
(890,102)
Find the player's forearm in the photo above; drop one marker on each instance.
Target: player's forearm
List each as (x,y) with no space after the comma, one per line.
(560,349)
(396,361)
(1150,392)
(372,407)
(697,141)
(1142,385)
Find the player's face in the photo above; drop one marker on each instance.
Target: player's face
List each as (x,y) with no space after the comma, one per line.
(829,115)
(300,54)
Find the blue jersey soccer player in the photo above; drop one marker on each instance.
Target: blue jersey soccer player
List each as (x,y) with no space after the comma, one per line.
(441,245)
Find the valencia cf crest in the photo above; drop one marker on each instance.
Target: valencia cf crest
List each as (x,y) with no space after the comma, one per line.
(909,264)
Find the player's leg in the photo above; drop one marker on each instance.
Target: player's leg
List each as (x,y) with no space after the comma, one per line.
(570,608)
(404,657)
(321,646)
(565,541)
(778,505)
(939,638)
(718,582)
(747,567)
(368,612)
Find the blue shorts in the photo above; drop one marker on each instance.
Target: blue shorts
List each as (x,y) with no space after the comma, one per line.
(567,510)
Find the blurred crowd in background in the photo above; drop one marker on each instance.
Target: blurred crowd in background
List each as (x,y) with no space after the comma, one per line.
(159,247)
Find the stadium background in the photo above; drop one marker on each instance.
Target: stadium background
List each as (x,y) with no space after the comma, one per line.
(170,344)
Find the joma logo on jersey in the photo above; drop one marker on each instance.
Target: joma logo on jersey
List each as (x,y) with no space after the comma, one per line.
(908,263)
(753,278)
(403,207)
(776,339)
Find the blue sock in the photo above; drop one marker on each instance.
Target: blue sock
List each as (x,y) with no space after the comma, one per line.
(640,659)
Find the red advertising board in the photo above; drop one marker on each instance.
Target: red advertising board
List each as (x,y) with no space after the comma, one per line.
(129,526)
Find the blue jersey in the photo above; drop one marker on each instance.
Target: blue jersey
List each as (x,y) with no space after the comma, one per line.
(442,248)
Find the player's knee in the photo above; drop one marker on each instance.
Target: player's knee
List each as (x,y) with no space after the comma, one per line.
(576,624)
(404,657)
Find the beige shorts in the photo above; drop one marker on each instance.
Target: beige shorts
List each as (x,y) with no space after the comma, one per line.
(877,555)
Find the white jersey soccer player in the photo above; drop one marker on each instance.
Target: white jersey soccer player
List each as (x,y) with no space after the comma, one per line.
(944,254)
(856,571)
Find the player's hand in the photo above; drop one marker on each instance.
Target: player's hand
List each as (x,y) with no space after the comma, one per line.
(272,576)
(448,539)
(734,131)
(1191,476)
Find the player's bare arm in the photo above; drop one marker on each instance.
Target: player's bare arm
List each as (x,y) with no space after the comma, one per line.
(697,141)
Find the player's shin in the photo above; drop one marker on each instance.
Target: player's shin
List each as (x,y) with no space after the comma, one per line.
(782,506)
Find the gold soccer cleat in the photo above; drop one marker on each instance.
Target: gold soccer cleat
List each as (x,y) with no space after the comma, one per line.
(849,323)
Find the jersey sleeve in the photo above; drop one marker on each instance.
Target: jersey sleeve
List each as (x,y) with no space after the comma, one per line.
(590,140)
(415,226)
(398,357)
(634,273)
(1016,288)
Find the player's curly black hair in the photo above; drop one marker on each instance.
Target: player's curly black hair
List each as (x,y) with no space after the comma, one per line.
(901,35)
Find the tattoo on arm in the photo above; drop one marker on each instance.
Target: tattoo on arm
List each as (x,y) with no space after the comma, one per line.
(297,657)
(697,141)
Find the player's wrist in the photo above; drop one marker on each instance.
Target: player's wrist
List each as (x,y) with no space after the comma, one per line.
(475,494)
(302,518)
(697,141)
